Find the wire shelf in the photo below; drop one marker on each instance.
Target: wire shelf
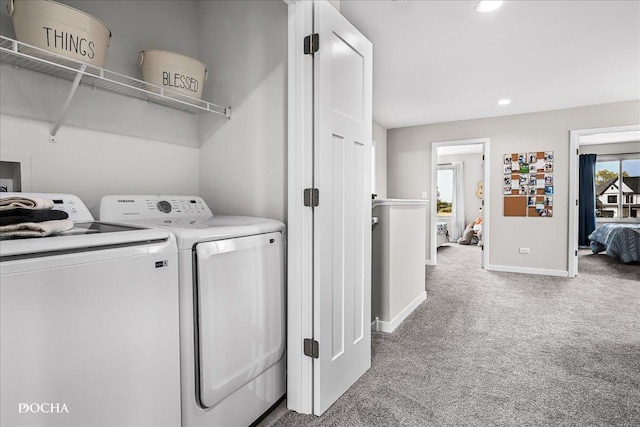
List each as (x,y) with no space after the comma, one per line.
(22,55)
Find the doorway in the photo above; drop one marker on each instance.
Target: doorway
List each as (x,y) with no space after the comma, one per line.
(624,137)
(465,158)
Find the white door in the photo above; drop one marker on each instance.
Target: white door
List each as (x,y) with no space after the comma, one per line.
(342,220)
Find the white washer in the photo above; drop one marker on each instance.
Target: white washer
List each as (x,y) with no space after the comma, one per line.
(89,325)
(232,305)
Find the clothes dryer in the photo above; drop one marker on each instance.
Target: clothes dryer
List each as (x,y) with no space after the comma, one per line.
(89,325)
(232,305)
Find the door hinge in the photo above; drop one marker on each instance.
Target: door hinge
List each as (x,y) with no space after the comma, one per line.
(577,204)
(576,253)
(311,197)
(311,348)
(311,44)
(483,157)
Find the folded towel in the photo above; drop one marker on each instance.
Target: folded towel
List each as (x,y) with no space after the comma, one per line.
(25,203)
(35,229)
(21,215)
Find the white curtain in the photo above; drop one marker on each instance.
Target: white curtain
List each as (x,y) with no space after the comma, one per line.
(457,215)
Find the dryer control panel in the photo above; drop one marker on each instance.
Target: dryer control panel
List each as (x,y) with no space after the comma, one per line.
(127,207)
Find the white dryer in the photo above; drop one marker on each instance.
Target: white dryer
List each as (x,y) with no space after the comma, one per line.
(89,325)
(232,305)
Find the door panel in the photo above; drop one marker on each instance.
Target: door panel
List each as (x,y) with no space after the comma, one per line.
(342,221)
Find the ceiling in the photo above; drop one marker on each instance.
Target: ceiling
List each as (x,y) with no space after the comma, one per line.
(440,61)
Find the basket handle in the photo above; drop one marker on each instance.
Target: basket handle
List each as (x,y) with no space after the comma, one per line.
(10,7)
(140,57)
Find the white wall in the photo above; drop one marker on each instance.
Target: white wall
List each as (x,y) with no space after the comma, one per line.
(243,165)
(92,164)
(380,137)
(472,175)
(409,159)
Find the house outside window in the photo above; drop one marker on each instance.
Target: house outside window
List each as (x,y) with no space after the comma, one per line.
(618,186)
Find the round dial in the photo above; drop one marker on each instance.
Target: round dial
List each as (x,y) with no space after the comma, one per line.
(164,206)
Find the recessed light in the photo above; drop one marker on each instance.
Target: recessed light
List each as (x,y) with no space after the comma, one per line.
(487,5)
(504,102)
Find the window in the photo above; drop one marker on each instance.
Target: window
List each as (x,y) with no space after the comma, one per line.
(445,191)
(617,186)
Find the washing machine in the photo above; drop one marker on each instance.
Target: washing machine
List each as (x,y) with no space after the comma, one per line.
(89,325)
(232,305)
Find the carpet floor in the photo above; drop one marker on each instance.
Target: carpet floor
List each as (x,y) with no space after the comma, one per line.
(504,349)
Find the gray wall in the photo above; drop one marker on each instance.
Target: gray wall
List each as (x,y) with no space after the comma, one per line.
(135,25)
(409,160)
(380,137)
(243,165)
(611,148)
(108,143)
(237,165)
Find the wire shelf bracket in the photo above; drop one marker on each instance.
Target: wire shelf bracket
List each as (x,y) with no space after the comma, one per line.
(22,55)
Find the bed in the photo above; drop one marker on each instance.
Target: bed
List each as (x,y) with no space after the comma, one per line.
(618,241)
(442,234)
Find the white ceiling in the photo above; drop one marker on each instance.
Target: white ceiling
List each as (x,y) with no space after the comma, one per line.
(439,61)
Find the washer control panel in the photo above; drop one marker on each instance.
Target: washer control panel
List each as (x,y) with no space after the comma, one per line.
(124,208)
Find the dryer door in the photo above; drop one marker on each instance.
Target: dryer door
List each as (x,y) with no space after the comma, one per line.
(241,312)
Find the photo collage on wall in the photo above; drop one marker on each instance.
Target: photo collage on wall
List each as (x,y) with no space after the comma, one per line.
(528,184)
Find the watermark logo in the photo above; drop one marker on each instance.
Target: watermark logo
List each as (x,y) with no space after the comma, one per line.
(42,408)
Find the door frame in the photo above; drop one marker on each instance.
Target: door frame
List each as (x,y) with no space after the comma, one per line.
(574,147)
(486,187)
(299,217)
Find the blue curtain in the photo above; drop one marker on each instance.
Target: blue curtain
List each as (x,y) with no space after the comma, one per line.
(587,197)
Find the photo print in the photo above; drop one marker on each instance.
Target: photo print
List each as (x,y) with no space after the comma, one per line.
(548,200)
(532,157)
(548,190)
(548,179)
(548,156)
(507,159)
(507,169)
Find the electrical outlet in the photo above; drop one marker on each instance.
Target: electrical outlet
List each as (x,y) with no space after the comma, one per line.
(524,250)
(424,194)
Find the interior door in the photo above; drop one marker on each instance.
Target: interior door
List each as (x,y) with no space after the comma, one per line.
(342,220)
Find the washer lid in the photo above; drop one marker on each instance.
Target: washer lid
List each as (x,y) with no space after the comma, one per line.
(189,231)
(84,236)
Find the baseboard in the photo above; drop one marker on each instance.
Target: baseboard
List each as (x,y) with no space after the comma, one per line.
(527,270)
(429,262)
(382,326)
